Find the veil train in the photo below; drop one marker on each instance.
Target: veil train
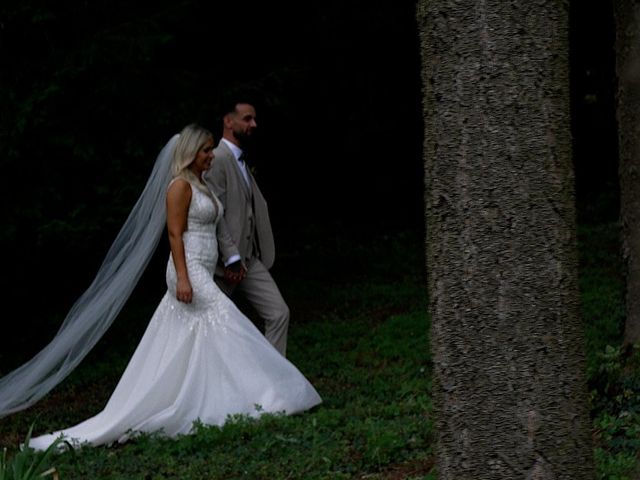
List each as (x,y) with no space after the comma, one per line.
(96,309)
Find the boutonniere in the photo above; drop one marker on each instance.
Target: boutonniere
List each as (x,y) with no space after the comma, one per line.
(253,170)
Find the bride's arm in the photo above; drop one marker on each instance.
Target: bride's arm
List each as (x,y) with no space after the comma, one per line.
(178,200)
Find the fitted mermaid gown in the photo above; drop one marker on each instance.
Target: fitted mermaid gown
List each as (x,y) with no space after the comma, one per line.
(199,361)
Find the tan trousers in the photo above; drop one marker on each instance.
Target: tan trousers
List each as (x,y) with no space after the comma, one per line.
(262,293)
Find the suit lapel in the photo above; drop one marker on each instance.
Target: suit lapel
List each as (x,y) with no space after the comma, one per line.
(239,178)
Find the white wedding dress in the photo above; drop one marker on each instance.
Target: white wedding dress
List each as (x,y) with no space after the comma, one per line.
(199,361)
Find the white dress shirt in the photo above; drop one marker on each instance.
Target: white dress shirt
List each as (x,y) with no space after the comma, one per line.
(237,153)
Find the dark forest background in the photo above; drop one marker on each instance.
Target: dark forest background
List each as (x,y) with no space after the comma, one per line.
(91,90)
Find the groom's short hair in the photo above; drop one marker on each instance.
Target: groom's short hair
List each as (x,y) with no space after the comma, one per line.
(236,97)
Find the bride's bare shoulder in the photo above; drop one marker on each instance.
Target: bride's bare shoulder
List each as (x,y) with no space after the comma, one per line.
(179,189)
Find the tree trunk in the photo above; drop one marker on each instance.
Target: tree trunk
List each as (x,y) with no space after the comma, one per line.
(509,386)
(627,15)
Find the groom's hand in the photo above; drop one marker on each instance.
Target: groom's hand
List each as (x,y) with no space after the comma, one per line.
(234,272)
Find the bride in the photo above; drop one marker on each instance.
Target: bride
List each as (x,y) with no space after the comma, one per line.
(200,357)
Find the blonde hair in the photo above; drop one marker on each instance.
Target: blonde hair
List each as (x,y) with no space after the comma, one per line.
(191,140)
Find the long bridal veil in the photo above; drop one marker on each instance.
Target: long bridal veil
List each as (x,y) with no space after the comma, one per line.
(95,310)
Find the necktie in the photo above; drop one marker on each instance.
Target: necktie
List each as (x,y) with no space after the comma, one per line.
(243,168)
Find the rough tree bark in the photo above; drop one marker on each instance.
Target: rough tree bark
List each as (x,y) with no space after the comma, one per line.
(509,390)
(627,15)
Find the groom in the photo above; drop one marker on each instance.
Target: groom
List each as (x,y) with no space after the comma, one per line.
(245,239)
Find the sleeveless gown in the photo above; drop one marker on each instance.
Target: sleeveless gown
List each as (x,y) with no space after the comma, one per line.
(199,361)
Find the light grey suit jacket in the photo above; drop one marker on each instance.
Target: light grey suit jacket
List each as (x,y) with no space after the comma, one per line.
(246,216)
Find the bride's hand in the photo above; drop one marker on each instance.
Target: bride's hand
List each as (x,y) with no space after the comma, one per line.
(184,292)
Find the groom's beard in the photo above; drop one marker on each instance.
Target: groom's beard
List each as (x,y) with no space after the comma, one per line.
(246,141)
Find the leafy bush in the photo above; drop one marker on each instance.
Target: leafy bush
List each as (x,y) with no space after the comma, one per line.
(27,463)
(615,401)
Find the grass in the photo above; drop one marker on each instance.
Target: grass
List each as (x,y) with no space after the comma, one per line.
(27,464)
(359,333)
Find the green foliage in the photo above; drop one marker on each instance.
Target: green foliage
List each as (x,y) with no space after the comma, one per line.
(361,338)
(614,376)
(28,464)
(365,349)
(601,289)
(375,415)
(616,407)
